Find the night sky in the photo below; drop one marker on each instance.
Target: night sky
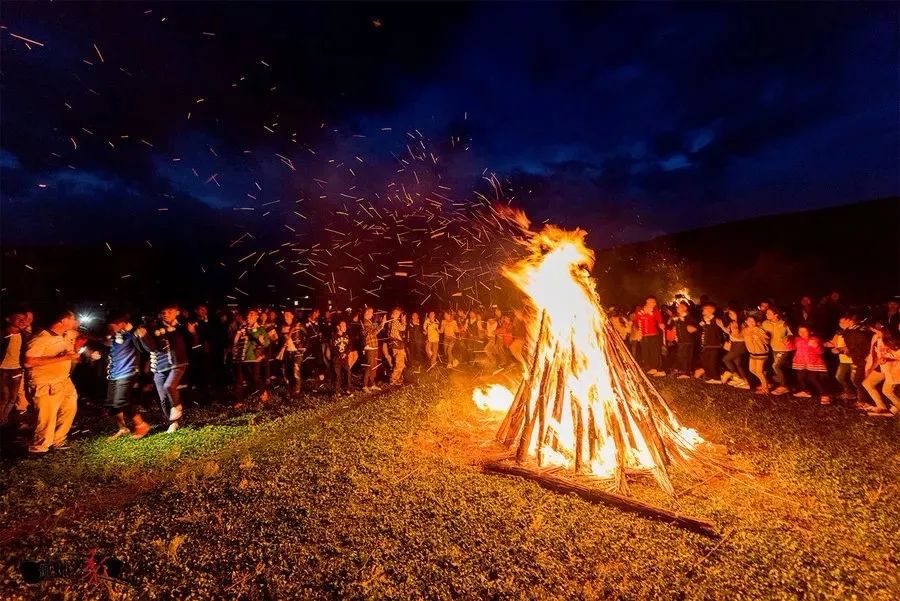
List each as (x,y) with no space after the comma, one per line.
(131,122)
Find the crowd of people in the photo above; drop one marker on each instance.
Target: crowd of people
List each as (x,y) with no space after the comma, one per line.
(816,349)
(234,355)
(243,356)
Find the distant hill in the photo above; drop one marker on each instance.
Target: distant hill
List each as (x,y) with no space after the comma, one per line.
(854,249)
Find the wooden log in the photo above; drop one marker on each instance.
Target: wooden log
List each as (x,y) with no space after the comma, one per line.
(613,427)
(592,433)
(521,417)
(540,419)
(510,421)
(557,483)
(542,423)
(553,437)
(578,415)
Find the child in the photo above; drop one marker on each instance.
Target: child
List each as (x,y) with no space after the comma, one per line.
(415,339)
(881,366)
(397,344)
(857,341)
(432,337)
(449,328)
(712,337)
(370,331)
(810,365)
(122,373)
(735,348)
(340,351)
(293,349)
(780,339)
(168,344)
(757,341)
(843,375)
(685,328)
(249,350)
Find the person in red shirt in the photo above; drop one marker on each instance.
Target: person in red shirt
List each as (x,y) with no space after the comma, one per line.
(649,322)
(809,365)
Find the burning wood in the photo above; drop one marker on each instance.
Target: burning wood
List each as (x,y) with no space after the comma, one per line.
(583,404)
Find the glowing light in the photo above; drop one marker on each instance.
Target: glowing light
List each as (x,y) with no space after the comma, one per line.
(583,403)
(493,398)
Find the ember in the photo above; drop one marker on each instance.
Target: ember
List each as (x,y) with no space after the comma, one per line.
(583,403)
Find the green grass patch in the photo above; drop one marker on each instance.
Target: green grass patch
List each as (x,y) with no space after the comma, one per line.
(380,501)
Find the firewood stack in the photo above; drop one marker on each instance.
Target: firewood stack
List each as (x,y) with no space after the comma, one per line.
(646,437)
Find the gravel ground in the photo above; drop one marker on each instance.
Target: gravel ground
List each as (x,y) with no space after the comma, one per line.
(378,497)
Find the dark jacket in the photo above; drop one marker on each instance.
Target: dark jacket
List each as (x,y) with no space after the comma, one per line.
(296,332)
(167,345)
(124,356)
(415,335)
(680,325)
(857,340)
(711,335)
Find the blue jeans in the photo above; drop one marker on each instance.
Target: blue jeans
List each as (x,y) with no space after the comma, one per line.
(167,387)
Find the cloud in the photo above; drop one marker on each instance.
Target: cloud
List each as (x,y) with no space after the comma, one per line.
(641,118)
(8,160)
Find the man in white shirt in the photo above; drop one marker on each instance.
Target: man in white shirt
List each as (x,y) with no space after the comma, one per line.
(49,358)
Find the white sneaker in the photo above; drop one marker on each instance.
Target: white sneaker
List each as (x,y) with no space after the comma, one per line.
(172,427)
(375,387)
(366,389)
(802,395)
(175,413)
(651,372)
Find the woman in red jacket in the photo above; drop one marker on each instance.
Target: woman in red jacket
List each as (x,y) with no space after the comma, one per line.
(649,321)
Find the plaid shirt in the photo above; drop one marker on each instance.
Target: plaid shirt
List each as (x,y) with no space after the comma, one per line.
(370,333)
(396,329)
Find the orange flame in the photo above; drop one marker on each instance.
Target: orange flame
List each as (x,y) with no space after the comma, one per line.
(584,403)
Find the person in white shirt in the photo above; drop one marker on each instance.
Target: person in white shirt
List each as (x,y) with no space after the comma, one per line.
(49,359)
(11,365)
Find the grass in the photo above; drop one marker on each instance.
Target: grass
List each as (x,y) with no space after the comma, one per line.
(380,499)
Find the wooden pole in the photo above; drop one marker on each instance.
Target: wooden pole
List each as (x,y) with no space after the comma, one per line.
(564,485)
(520,413)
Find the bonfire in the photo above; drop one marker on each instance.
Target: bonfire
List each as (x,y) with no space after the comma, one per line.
(583,403)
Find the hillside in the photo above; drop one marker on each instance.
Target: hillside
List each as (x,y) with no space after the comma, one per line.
(851,248)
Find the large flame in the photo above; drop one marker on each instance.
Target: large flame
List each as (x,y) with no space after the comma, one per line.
(583,403)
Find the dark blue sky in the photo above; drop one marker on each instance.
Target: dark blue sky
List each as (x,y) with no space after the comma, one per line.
(632,120)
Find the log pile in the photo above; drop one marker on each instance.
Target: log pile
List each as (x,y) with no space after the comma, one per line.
(635,416)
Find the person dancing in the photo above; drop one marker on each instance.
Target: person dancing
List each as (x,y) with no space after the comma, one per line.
(168,346)
(122,373)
